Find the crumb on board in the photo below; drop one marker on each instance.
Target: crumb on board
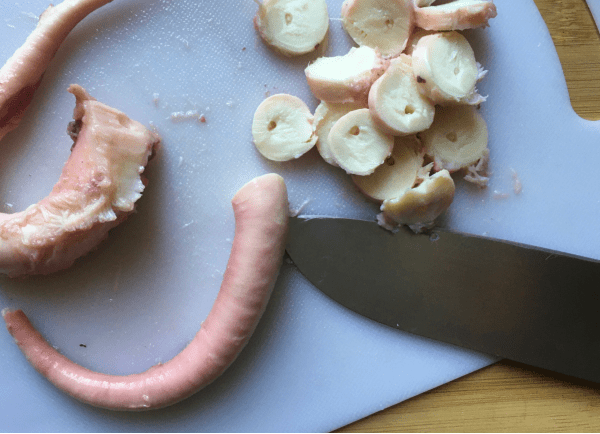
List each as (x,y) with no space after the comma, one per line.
(517,185)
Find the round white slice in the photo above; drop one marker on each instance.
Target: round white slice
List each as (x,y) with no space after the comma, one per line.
(293,27)
(326,115)
(347,78)
(457,138)
(456,15)
(445,67)
(382,24)
(282,128)
(357,144)
(396,103)
(397,174)
(421,205)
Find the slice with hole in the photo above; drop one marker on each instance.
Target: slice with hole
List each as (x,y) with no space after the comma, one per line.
(347,78)
(326,115)
(396,103)
(282,128)
(292,27)
(382,24)
(457,138)
(456,15)
(445,67)
(397,174)
(420,206)
(357,144)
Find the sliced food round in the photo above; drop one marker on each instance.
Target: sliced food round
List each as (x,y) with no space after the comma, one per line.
(445,67)
(293,27)
(421,205)
(397,174)
(457,138)
(347,78)
(326,115)
(282,128)
(396,103)
(456,15)
(382,24)
(357,144)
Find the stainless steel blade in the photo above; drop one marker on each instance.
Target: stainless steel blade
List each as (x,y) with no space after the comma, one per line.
(519,302)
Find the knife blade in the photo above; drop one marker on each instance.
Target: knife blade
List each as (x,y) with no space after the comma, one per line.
(531,305)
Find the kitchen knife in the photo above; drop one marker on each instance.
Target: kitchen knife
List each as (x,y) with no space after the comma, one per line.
(515,301)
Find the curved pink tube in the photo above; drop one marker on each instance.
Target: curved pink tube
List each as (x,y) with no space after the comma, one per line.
(22,73)
(261,215)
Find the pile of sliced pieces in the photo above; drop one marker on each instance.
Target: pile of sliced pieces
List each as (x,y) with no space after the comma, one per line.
(399,113)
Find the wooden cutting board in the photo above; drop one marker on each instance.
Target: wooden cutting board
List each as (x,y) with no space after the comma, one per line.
(510,397)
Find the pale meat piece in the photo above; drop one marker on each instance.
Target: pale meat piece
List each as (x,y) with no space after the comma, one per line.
(22,73)
(292,27)
(420,206)
(446,70)
(382,24)
(397,174)
(326,115)
(97,189)
(348,78)
(396,103)
(455,15)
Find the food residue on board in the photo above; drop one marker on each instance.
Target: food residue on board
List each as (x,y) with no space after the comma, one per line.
(413,75)
(190,115)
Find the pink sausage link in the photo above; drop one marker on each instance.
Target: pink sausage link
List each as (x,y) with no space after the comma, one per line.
(261,216)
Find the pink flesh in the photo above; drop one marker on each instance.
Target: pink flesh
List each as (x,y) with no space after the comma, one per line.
(22,73)
(261,212)
(97,189)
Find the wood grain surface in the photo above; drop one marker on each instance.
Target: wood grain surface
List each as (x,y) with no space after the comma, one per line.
(507,396)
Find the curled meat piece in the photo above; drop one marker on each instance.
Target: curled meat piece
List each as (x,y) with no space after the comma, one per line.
(97,189)
(261,220)
(22,73)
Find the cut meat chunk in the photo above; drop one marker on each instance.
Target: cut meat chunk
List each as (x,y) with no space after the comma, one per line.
(282,128)
(456,15)
(357,144)
(397,174)
(382,24)
(293,27)
(345,79)
(326,115)
(97,189)
(396,103)
(446,69)
(457,138)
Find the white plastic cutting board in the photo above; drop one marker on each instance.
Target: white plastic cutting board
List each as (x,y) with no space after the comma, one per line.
(137,300)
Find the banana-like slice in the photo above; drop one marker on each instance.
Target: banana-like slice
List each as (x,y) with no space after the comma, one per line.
(421,205)
(397,174)
(456,15)
(347,78)
(446,70)
(457,138)
(382,24)
(357,144)
(282,128)
(292,27)
(326,115)
(396,103)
